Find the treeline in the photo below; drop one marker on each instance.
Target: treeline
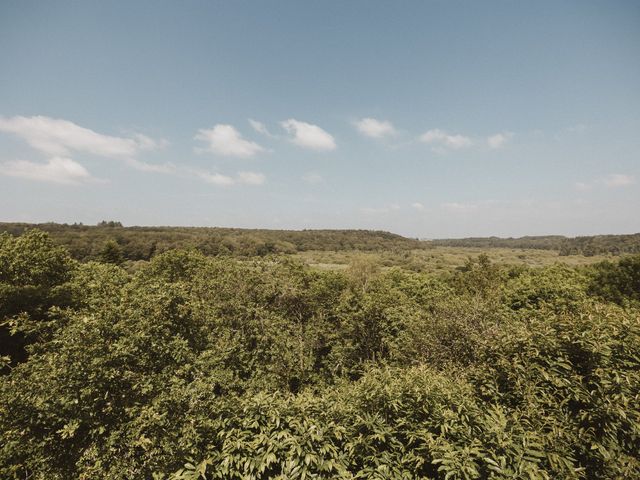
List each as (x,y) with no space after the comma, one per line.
(93,242)
(196,367)
(601,244)
(86,242)
(588,245)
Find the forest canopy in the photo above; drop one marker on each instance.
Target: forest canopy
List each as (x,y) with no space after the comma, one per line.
(193,366)
(87,242)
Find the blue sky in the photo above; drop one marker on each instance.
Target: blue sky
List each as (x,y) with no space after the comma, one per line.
(430,119)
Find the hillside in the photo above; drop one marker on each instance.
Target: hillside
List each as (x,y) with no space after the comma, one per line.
(585,245)
(85,242)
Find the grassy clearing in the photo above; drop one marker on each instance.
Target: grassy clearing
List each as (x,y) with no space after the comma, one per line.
(444,259)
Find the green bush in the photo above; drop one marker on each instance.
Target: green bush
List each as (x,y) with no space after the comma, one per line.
(617,282)
(199,367)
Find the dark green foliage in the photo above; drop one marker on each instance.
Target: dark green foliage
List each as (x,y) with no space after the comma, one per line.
(478,277)
(588,246)
(558,286)
(110,223)
(111,253)
(33,276)
(574,378)
(601,244)
(203,367)
(617,282)
(549,242)
(86,242)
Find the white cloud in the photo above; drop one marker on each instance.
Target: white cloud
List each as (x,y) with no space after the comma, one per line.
(55,170)
(309,136)
(459,207)
(260,128)
(313,178)
(498,140)
(58,137)
(148,143)
(226,140)
(615,180)
(441,139)
(374,128)
(417,206)
(216,178)
(151,167)
(251,178)
(244,178)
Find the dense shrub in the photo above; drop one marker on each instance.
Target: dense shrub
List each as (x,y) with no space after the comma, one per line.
(198,367)
(617,282)
(33,278)
(559,286)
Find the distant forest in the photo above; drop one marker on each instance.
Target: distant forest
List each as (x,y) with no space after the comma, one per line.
(588,245)
(86,242)
(90,242)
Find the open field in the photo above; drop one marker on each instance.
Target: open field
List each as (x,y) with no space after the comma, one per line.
(329,249)
(445,259)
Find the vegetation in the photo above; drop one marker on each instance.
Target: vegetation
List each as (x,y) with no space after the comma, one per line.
(85,242)
(191,366)
(440,260)
(588,245)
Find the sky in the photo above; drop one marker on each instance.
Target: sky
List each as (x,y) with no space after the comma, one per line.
(431,119)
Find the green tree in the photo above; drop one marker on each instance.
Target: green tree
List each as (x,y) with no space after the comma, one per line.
(617,282)
(111,253)
(33,276)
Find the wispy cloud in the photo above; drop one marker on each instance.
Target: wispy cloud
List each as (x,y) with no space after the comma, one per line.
(242,178)
(58,137)
(613,180)
(309,136)
(374,128)
(616,180)
(313,178)
(151,167)
(440,140)
(216,178)
(55,170)
(498,140)
(260,128)
(459,207)
(225,140)
(417,206)
(251,178)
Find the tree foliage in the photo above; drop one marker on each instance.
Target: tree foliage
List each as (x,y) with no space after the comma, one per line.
(33,278)
(197,367)
(85,242)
